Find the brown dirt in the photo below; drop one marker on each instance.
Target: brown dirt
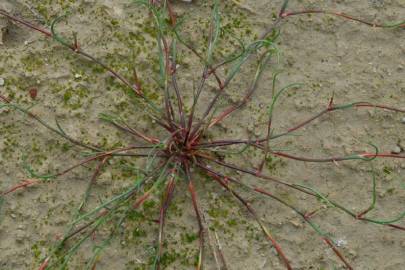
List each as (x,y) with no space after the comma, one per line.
(328,55)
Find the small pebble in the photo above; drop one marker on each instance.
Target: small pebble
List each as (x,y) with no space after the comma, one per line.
(20,236)
(341,242)
(296,223)
(33,92)
(1,81)
(403,120)
(396,150)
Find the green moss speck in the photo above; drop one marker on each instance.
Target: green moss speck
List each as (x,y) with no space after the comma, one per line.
(32,62)
(218,212)
(188,237)
(36,251)
(387,170)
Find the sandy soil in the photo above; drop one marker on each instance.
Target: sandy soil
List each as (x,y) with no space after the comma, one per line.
(328,55)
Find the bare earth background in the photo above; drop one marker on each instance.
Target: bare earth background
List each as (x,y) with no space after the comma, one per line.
(328,55)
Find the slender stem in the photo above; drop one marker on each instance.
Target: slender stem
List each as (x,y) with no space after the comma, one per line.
(224,183)
(101,155)
(255,173)
(75,48)
(201,228)
(23,184)
(337,252)
(306,219)
(26,23)
(167,197)
(93,179)
(342,15)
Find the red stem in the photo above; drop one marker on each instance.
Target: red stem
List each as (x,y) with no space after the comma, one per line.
(339,14)
(337,252)
(162,215)
(24,184)
(28,24)
(224,183)
(198,215)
